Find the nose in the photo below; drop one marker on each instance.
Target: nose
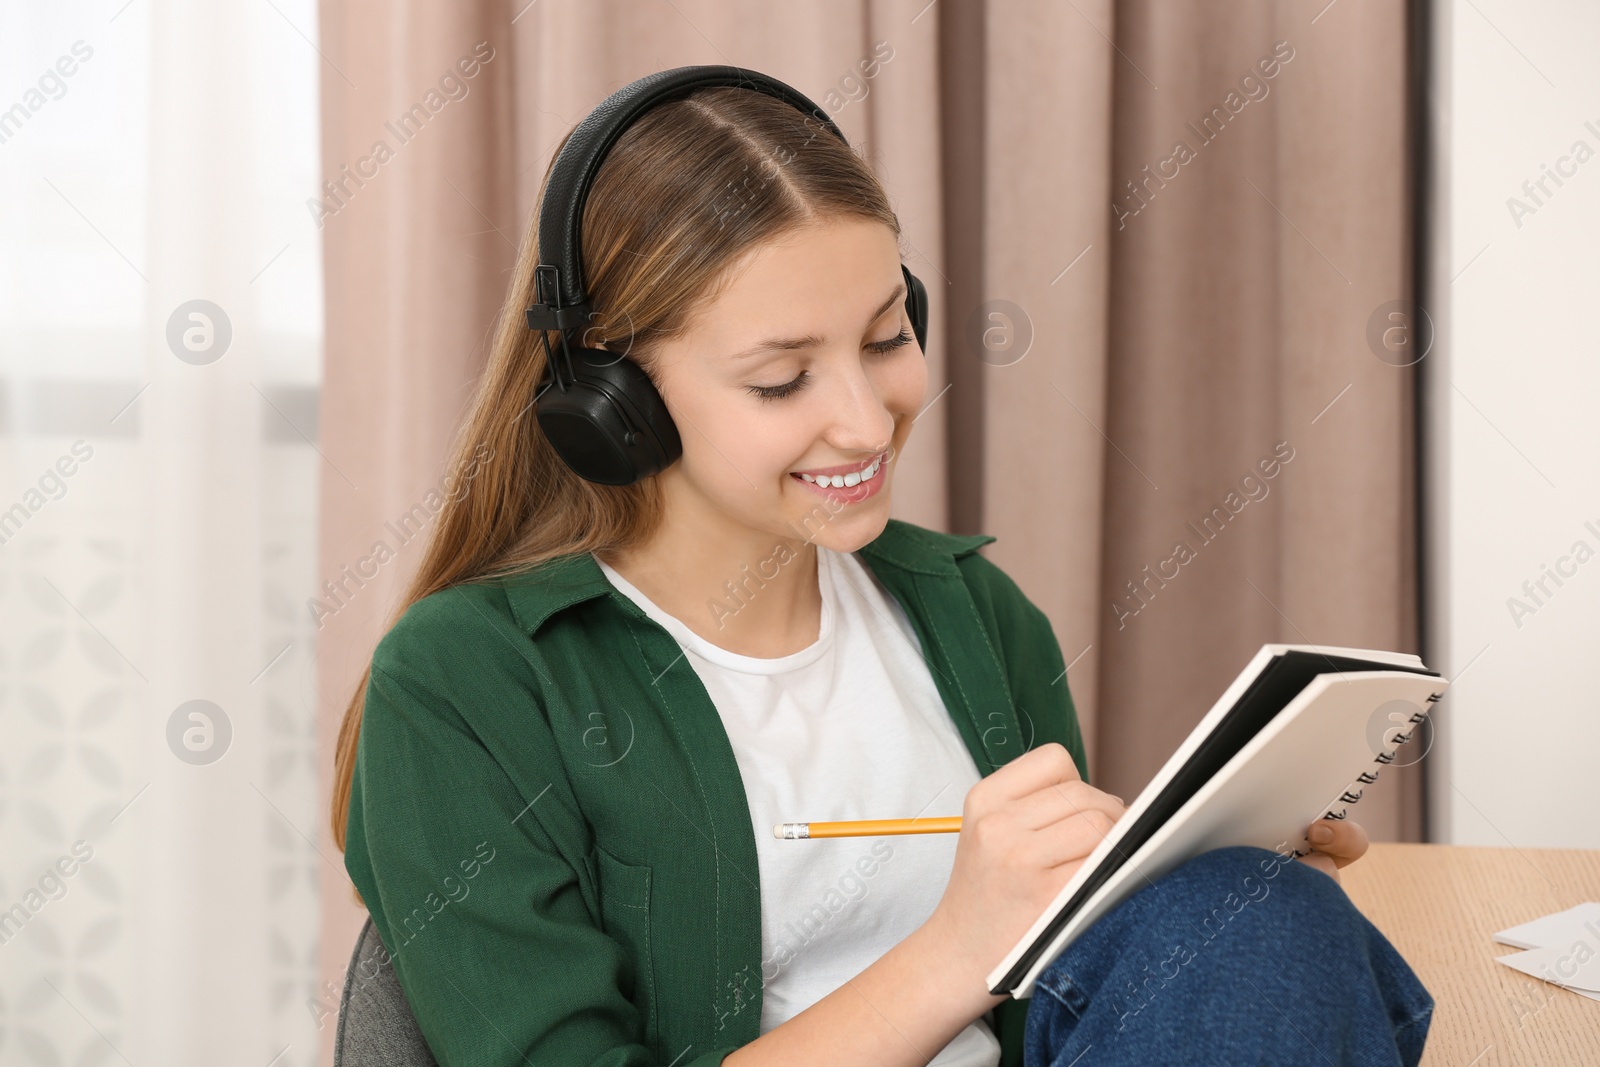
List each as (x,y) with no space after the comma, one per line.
(862,422)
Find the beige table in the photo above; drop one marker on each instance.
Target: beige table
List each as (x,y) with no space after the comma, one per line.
(1440,906)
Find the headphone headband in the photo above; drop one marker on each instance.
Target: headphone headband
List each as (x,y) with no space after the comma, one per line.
(565,303)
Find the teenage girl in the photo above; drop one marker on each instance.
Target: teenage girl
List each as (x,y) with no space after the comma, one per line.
(557,783)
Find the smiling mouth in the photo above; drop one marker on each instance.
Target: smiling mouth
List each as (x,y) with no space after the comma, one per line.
(842,481)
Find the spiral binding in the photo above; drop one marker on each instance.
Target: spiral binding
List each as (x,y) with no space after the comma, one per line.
(1351,794)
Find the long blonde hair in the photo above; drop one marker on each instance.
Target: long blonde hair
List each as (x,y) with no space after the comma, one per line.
(682,195)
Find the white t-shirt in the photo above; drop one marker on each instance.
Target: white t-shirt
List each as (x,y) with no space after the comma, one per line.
(850,727)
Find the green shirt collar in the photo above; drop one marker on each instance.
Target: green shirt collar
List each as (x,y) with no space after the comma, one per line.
(540,593)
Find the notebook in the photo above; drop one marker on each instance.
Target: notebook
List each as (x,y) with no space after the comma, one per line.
(1298,735)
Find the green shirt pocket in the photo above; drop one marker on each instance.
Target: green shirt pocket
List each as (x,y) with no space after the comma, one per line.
(625,915)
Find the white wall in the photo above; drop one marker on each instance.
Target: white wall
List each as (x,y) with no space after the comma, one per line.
(1514,398)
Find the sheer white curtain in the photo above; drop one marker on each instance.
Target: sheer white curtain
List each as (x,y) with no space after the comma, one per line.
(160,360)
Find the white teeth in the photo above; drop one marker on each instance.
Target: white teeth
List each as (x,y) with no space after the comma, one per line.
(839,481)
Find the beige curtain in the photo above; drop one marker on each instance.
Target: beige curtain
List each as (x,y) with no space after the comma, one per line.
(1240,295)
(1108,365)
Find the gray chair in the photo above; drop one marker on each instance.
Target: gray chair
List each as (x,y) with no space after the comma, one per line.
(376,1027)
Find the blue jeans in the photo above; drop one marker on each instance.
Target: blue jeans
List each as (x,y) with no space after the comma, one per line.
(1235,957)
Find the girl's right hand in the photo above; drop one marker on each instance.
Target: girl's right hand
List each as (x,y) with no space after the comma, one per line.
(1026,828)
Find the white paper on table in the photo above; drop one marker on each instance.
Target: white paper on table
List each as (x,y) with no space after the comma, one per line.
(1564,927)
(1562,948)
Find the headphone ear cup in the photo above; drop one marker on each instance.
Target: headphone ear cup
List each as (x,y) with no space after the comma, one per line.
(610,425)
(917,307)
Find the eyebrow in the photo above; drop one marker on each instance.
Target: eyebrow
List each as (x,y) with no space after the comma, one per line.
(790,344)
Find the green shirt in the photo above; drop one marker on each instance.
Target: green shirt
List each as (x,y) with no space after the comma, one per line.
(548,825)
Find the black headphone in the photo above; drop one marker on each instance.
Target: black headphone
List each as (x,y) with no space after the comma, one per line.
(604,417)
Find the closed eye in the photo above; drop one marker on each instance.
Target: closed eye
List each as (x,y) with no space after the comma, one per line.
(902,338)
(778,392)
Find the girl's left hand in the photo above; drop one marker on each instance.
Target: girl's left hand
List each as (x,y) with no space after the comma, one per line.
(1346,845)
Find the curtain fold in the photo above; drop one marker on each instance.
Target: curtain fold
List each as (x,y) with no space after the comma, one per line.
(1120,338)
(418,228)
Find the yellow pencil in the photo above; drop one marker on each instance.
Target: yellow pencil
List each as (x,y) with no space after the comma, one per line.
(792,831)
